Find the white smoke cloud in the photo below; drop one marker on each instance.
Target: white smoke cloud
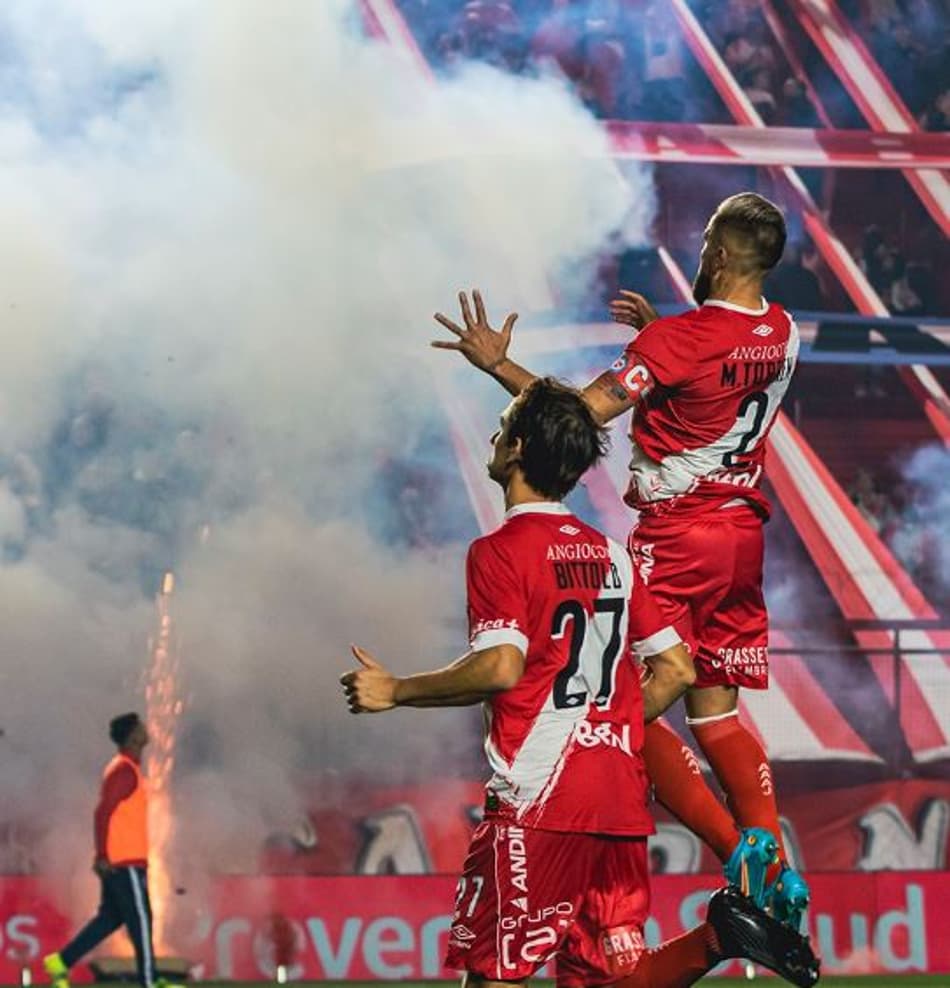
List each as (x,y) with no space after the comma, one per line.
(921,537)
(223,230)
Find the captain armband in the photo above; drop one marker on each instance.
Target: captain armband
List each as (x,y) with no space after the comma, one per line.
(633,376)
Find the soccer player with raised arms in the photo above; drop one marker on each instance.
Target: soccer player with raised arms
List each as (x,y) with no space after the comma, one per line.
(558,868)
(705,387)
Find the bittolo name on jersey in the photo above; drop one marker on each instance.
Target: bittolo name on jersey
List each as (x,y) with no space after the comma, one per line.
(583,565)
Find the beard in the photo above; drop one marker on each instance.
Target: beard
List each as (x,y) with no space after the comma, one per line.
(702,286)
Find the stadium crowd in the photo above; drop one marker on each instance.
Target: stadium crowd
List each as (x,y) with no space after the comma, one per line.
(628,60)
(907,510)
(625,60)
(907,287)
(910,39)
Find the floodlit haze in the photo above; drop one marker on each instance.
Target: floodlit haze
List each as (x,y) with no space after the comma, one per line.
(223,230)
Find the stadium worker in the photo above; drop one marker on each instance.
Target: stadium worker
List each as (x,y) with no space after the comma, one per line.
(705,387)
(121,859)
(558,868)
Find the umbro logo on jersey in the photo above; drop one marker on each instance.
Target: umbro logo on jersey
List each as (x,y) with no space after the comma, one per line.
(569,530)
(462,936)
(763,329)
(521,902)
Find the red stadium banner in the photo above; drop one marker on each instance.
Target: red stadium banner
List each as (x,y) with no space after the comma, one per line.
(426,829)
(395,927)
(709,144)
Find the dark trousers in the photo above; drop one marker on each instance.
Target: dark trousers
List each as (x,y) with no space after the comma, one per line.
(125,903)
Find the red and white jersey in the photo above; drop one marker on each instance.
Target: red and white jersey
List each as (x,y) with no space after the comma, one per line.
(708,383)
(565,743)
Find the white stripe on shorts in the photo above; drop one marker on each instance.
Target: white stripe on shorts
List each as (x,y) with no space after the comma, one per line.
(148,964)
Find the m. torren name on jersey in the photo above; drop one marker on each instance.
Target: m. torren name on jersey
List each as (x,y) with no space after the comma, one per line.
(760,366)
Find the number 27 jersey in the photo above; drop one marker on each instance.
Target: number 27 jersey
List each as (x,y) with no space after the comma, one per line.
(564,744)
(709,384)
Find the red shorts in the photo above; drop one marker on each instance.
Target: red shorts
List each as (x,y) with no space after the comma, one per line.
(706,576)
(528,896)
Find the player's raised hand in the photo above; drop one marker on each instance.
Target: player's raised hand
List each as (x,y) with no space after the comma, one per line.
(632,309)
(371,689)
(482,346)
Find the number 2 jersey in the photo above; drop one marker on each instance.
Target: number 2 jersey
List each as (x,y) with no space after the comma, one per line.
(708,385)
(564,744)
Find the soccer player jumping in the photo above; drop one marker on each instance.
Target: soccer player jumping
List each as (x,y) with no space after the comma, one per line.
(558,868)
(705,387)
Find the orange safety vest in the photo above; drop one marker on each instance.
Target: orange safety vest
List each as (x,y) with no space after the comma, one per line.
(127,835)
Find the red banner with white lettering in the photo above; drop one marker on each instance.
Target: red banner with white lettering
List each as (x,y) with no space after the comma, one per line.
(395,927)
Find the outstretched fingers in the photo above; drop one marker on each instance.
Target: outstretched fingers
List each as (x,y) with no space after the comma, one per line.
(452,327)
(479,307)
(466,311)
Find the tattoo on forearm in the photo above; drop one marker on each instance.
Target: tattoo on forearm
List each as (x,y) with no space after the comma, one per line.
(611,386)
(617,391)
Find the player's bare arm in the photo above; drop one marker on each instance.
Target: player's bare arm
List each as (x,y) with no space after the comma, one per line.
(607,398)
(668,675)
(477,675)
(616,391)
(459,700)
(472,678)
(487,349)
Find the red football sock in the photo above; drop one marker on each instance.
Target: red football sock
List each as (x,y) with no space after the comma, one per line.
(679,785)
(742,768)
(677,963)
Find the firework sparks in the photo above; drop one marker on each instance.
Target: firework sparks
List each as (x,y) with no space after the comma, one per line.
(163,705)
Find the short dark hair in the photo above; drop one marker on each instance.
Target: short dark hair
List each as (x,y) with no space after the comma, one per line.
(121,727)
(756,226)
(560,438)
